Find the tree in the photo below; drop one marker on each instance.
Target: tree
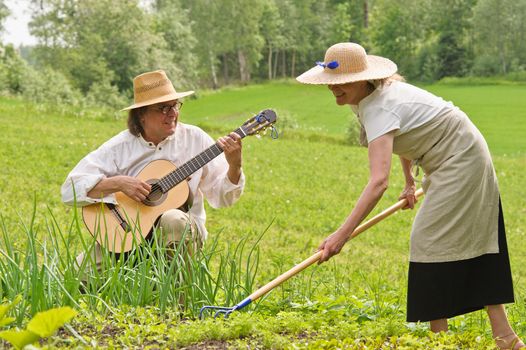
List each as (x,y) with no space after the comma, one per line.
(311,34)
(98,40)
(245,16)
(452,23)
(392,34)
(272,29)
(212,32)
(397,31)
(12,68)
(4,12)
(228,32)
(173,23)
(291,32)
(499,35)
(341,26)
(453,57)
(4,83)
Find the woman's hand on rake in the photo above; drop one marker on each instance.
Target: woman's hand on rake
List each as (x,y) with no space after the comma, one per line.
(332,245)
(409,194)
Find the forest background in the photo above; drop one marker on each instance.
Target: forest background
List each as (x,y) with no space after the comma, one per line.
(88,51)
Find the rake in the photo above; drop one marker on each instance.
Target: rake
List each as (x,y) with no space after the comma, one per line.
(226,311)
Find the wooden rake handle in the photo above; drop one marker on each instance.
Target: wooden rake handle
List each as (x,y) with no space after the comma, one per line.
(314,258)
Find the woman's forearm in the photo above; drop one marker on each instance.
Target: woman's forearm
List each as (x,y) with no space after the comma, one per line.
(370,196)
(406,168)
(380,151)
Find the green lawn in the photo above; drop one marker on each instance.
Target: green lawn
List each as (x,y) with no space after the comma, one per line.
(498,111)
(305,183)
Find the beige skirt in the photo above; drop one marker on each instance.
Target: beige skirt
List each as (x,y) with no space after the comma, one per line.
(458,218)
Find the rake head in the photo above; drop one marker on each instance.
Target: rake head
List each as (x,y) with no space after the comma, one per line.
(217,310)
(223,310)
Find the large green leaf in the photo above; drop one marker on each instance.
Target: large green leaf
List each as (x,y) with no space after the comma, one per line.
(19,339)
(48,322)
(4,308)
(4,321)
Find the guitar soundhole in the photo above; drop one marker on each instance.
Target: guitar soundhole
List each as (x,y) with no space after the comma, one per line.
(156,196)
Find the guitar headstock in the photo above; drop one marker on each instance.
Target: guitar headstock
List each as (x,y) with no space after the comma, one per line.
(259,122)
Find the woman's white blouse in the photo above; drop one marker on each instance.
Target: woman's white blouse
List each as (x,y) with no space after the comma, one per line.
(398,106)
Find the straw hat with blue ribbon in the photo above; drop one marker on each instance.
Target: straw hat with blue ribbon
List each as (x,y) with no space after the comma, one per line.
(347,63)
(154,87)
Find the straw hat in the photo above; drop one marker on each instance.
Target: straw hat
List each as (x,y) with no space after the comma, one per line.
(153,87)
(347,63)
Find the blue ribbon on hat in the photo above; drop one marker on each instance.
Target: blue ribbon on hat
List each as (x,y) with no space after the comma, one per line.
(330,65)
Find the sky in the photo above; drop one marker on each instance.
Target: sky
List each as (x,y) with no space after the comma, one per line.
(15,26)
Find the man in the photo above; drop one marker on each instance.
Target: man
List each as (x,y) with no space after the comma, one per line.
(154,132)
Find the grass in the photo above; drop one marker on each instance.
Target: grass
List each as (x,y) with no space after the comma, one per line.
(299,189)
(45,273)
(498,110)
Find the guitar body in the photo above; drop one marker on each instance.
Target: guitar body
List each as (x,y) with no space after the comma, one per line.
(105,222)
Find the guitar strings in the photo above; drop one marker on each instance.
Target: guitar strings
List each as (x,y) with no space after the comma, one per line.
(185,170)
(194,164)
(155,188)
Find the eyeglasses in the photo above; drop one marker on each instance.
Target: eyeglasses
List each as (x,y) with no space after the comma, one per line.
(167,108)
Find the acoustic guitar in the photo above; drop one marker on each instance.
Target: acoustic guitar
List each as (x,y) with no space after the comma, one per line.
(122,226)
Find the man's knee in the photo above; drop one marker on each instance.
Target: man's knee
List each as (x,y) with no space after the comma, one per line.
(176,224)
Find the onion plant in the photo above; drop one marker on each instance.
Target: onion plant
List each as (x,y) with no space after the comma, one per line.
(42,268)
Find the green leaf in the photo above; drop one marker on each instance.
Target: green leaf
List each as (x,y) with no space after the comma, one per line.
(4,308)
(48,322)
(19,339)
(4,321)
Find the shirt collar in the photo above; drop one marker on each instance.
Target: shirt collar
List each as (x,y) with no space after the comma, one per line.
(151,144)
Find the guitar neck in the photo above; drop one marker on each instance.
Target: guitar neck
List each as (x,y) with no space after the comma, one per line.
(177,176)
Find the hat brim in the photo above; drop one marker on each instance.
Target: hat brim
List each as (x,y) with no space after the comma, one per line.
(164,98)
(378,68)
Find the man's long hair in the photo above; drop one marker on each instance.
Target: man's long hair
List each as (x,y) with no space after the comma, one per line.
(134,120)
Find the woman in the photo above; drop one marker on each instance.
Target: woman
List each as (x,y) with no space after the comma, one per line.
(458,240)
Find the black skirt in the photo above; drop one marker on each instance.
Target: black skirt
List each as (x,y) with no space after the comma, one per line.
(448,289)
